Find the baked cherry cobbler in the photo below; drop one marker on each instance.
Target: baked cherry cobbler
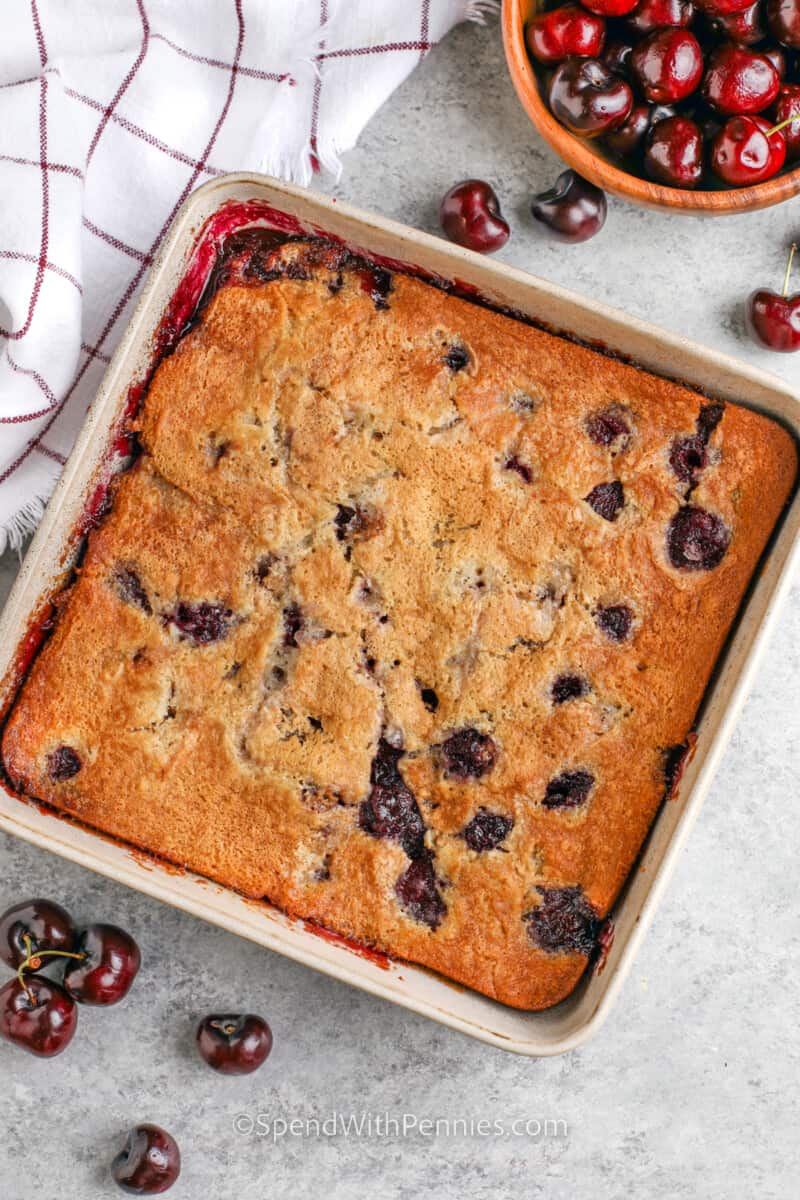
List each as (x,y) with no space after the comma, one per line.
(401,617)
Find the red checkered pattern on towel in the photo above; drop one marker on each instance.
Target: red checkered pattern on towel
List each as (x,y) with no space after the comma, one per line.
(110,114)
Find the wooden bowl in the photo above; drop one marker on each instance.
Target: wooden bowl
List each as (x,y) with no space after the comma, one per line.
(590,160)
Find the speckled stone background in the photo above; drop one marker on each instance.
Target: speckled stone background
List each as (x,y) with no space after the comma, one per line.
(692,1087)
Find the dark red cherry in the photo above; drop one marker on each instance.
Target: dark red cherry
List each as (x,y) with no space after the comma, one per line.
(626,139)
(777,56)
(63,763)
(390,810)
(149,1162)
(617,57)
(746,27)
(418,893)
(722,7)
(234,1044)
(783,17)
(108,966)
(747,151)
(37,1015)
(610,8)
(609,427)
(563,922)
(570,789)
(588,98)
(772,318)
(201,623)
(615,621)
(470,216)
(674,153)
(573,209)
(48,926)
(660,14)
(568,687)
(555,35)
(468,754)
(697,539)
(739,80)
(487,830)
(786,107)
(607,499)
(668,65)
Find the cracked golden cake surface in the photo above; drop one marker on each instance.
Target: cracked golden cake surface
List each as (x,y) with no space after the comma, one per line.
(399,616)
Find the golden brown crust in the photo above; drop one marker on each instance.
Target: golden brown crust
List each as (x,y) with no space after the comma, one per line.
(391,547)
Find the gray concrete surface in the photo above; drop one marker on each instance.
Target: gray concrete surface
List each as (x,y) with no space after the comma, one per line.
(692,1087)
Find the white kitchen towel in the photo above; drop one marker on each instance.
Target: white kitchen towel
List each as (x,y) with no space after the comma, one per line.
(111,112)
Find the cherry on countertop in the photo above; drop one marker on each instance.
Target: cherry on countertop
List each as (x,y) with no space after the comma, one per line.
(773,318)
(47,925)
(234,1044)
(37,1015)
(149,1162)
(573,210)
(470,216)
(109,963)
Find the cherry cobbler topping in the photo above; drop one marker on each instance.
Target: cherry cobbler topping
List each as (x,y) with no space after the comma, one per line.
(564,921)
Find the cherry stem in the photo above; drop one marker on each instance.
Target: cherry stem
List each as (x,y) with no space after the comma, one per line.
(782,125)
(792,253)
(34,961)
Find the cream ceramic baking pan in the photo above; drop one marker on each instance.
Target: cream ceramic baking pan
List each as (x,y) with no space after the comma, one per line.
(181,269)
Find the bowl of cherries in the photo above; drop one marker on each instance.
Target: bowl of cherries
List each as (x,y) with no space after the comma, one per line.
(685,105)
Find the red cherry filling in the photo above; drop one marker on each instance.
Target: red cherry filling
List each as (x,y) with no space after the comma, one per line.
(468,754)
(418,894)
(350,522)
(697,539)
(201,623)
(568,687)
(608,427)
(570,789)
(487,830)
(615,621)
(457,358)
(130,588)
(708,419)
(607,499)
(470,216)
(687,457)
(378,284)
(564,922)
(522,469)
(63,763)
(668,65)
(739,80)
(391,811)
(570,29)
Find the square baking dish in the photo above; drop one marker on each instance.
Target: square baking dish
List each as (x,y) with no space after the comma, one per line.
(186,258)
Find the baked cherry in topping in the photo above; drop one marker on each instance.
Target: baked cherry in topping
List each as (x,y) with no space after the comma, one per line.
(201,623)
(568,687)
(697,539)
(429,698)
(292,624)
(687,457)
(350,521)
(772,319)
(573,210)
(748,150)
(487,830)
(609,427)
(390,810)
(563,922)
(130,588)
(457,358)
(63,763)
(626,139)
(521,468)
(785,108)
(668,65)
(570,789)
(108,965)
(615,621)
(568,30)
(739,80)
(617,57)
(149,1162)
(377,283)
(675,759)
(37,1015)
(418,893)
(589,98)
(468,754)
(660,14)
(610,8)
(745,27)
(674,153)
(32,927)
(234,1044)
(607,499)
(708,419)
(783,17)
(470,216)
